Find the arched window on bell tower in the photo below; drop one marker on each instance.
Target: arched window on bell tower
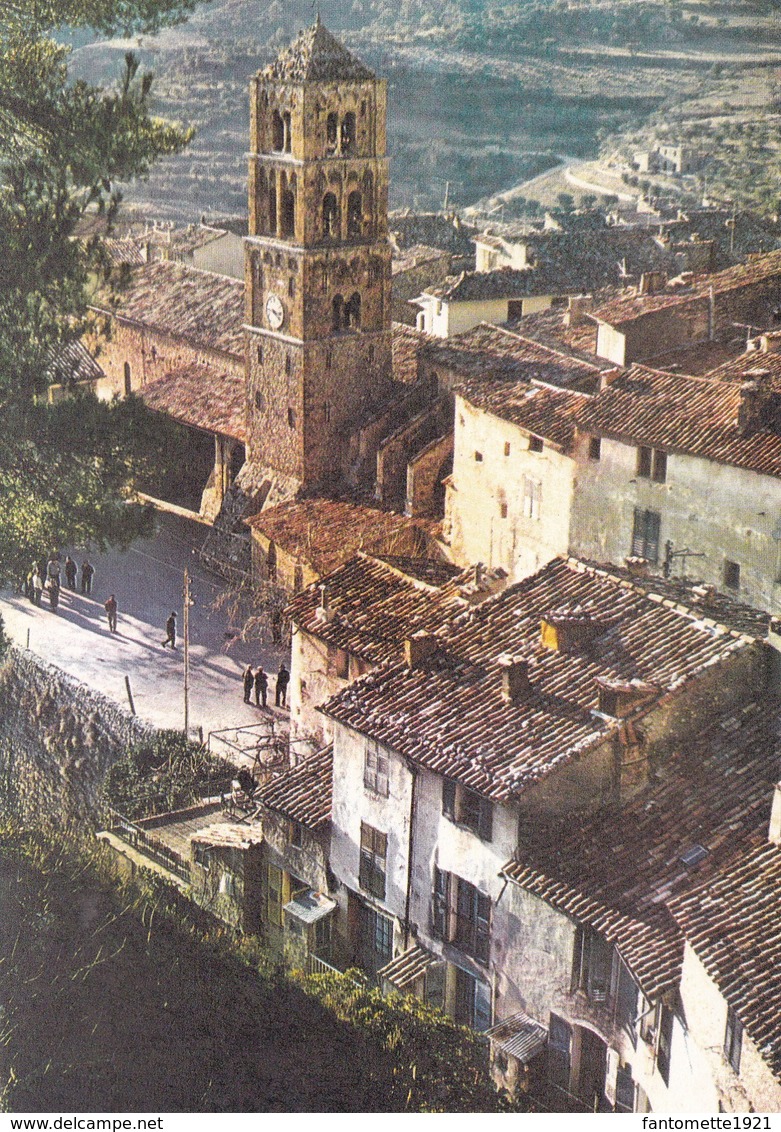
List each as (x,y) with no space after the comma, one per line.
(288,208)
(348,133)
(277,132)
(330,215)
(272,206)
(287,132)
(352,311)
(354,214)
(331,133)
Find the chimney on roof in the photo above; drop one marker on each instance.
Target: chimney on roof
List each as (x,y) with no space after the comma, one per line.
(618,698)
(515,677)
(774,832)
(419,647)
(324,611)
(568,630)
(637,567)
(577,309)
(652,282)
(770,343)
(754,407)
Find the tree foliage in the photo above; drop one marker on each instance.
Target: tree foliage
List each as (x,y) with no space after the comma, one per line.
(64,148)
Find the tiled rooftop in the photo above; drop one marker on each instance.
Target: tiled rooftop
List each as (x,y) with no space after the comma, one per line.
(503,352)
(620,870)
(315,56)
(72,362)
(373,606)
(540,409)
(695,415)
(407,343)
(449,715)
(472,286)
(303,793)
(732,923)
(325,532)
(199,306)
(203,397)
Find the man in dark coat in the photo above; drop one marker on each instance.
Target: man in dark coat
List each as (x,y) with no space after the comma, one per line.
(170,628)
(283,679)
(87,574)
(111,609)
(71,570)
(249,680)
(261,686)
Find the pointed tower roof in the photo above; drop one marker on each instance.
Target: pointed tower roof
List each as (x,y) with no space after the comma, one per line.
(315,56)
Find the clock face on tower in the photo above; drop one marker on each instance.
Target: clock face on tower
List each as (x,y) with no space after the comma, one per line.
(275,311)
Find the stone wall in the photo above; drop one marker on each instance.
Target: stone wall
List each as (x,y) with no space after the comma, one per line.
(58,739)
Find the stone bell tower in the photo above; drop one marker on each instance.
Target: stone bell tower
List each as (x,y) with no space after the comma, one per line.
(317,259)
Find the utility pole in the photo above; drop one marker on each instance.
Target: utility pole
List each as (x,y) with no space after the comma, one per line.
(186,635)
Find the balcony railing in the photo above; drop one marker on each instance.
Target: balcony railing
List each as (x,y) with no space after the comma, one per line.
(138,838)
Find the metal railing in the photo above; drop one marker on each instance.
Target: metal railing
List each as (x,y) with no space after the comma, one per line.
(139,839)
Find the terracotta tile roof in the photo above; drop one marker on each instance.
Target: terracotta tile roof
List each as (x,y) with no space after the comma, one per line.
(519,1036)
(203,397)
(540,409)
(448,714)
(548,328)
(620,870)
(694,415)
(184,302)
(501,352)
(315,56)
(303,794)
(373,606)
(325,532)
(758,269)
(72,362)
(475,286)
(732,923)
(126,250)
(412,257)
(749,365)
(427,570)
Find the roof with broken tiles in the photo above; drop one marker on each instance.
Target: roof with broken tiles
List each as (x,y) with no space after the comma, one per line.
(542,410)
(697,416)
(481,286)
(324,533)
(185,303)
(201,396)
(373,604)
(757,269)
(619,870)
(303,793)
(316,56)
(492,351)
(731,921)
(449,714)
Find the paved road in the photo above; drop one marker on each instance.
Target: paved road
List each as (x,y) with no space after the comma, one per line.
(147,581)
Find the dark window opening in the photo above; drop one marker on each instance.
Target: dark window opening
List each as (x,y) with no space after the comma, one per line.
(363,108)
(329,357)
(288,213)
(354,215)
(348,132)
(331,133)
(478,457)
(732,575)
(536,444)
(291,287)
(271,562)
(372,355)
(608,701)
(625,1088)
(260,355)
(733,1039)
(277,132)
(644,462)
(337,313)
(468,808)
(507,448)
(330,215)
(272,209)
(659,470)
(374,852)
(260,401)
(595,448)
(503,510)
(472,1001)
(291,418)
(327,412)
(461,914)
(645,535)
(352,311)
(665,1044)
(298,578)
(375,939)
(128,384)
(295,833)
(375,770)
(559,1052)
(288,365)
(288,133)
(593,964)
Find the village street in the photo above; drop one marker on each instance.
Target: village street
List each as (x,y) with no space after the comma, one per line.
(147,581)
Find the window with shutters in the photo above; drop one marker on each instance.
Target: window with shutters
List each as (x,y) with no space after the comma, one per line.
(595,448)
(733,1039)
(468,808)
(659,466)
(532,497)
(731,574)
(371,869)
(593,965)
(536,444)
(375,940)
(665,1044)
(645,534)
(643,467)
(627,1000)
(461,914)
(625,1088)
(652,464)
(375,770)
(472,1001)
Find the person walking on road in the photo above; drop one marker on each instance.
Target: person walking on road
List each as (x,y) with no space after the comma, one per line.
(111,609)
(37,586)
(170,628)
(87,574)
(283,679)
(53,589)
(71,570)
(249,680)
(261,686)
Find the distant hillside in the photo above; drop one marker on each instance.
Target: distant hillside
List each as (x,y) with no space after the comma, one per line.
(481,97)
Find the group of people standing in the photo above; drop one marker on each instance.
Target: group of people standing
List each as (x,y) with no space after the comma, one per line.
(49,579)
(257,679)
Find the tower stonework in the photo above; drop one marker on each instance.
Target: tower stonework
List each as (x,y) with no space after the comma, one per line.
(317,260)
